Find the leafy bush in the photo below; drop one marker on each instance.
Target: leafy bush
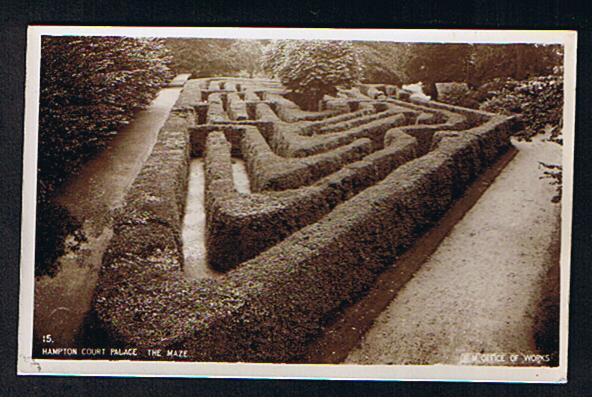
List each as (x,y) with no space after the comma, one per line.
(313,68)
(54,224)
(273,57)
(457,94)
(90,88)
(539,101)
(554,173)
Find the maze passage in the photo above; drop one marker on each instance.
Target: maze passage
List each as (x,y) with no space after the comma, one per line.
(298,213)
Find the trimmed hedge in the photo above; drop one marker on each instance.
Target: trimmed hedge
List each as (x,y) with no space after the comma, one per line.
(291,144)
(288,111)
(288,291)
(237,109)
(232,241)
(268,171)
(315,127)
(270,307)
(216,112)
(265,113)
(241,226)
(190,96)
(233,130)
(354,122)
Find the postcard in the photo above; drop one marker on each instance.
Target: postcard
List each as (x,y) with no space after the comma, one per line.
(368,204)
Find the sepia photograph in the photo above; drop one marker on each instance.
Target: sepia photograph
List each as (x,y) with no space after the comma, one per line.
(297,203)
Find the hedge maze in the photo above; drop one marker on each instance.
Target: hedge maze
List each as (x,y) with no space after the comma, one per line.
(336,196)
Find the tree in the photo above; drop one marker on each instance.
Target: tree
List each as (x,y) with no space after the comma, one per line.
(90,87)
(202,57)
(247,56)
(383,62)
(273,57)
(313,68)
(432,63)
(476,64)
(215,57)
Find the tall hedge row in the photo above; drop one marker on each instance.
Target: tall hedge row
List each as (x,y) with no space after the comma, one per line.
(90,88)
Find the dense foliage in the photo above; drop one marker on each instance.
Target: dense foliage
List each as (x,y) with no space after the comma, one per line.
(90,88)
(431,63)
(273,57)
(314,68)
(216,57)
(517,61)
(539,101)
(383,62)
(478,64)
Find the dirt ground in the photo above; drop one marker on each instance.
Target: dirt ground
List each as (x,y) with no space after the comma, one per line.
(194,221)
(194,225)
(479,293)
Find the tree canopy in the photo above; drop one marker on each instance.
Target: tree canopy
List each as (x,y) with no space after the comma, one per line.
(215,57)
(90,87)
(476,64)
(313,67)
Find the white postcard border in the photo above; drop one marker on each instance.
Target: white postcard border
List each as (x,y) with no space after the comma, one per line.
(28,366)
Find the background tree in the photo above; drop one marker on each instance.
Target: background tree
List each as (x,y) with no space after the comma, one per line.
(247,55)
(517,61)
(383,62)
(314,68)
(432,63)
(216,57)
(202,57)
(477,64)
(273,56)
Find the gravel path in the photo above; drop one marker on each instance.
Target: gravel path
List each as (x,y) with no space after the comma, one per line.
(478,293)
(194,220)
(62,301)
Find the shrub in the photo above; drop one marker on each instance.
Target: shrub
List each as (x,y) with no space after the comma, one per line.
(539,100)
(456,93)
(313,68)
(273,56)
(90,88)
(54,224)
